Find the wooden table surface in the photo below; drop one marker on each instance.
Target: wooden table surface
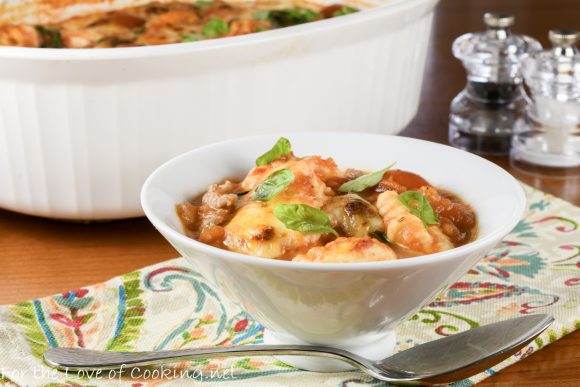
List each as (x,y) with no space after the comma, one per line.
(41,257)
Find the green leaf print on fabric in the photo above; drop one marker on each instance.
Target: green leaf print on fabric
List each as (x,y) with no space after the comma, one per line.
(30,316)
(502,264)
(524,229)
(130,314)
(4,380)
(539,205)
(436,316)
(528,264)
(246,363)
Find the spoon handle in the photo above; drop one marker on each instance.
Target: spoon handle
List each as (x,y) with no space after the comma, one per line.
(77,359)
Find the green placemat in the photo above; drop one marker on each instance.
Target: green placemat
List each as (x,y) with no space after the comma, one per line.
(536,269)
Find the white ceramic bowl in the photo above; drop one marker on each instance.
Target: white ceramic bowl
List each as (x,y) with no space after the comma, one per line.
(352,305)
(81,129)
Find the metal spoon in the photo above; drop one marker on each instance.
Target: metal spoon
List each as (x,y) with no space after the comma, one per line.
(440,361)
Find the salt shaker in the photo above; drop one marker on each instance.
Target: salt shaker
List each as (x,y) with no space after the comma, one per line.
(483,115)
(550,135)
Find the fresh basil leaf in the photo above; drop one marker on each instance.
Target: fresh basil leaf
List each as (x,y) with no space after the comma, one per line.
(365,181)
(303,218)
(261,14)
(281,148)
(380,236)
(419,206)
(191,37)
(215,28)
(203,3)
(273,184)
(50,38)
(344,10)
(290,17)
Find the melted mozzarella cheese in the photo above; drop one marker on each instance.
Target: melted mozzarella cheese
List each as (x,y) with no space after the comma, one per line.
(353,249)
(259,174)
(310,176)
(254,230)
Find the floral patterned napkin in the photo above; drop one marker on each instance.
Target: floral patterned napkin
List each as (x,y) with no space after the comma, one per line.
(536,269)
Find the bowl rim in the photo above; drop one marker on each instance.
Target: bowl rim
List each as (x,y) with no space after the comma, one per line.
(89,54)
(494,235)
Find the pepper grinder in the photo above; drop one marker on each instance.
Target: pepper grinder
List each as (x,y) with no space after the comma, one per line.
(484,114)
(550,134)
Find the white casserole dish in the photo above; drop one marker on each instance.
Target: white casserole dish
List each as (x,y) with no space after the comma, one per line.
(81,129)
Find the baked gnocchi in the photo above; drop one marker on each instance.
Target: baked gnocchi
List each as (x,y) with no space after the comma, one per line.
(307,209)
(164,23)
